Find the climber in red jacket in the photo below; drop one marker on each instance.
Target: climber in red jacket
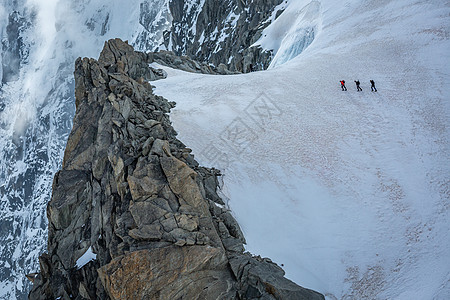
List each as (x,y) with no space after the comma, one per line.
(343,85)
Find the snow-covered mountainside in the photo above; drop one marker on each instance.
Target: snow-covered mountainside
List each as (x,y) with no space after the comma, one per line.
(349,190)
(40,42)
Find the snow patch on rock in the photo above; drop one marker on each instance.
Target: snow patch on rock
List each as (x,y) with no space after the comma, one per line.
(87,257)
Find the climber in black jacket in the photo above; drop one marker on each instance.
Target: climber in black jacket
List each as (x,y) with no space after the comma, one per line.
(372,83)
(358,88)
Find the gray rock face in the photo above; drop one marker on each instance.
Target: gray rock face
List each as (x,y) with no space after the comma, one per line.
(214,32)
(185,63)
(132,193)
(13,48)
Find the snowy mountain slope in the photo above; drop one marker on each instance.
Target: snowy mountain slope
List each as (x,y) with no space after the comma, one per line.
(348,190)
(36,111)
(40,42)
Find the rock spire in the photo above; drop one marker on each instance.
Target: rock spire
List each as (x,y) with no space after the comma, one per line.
(132,214)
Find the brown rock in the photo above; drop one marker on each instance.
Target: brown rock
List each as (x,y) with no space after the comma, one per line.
(182,181)
(189,223)
(31,277)
(194,272)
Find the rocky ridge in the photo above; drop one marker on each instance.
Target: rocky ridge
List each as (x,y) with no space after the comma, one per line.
(185,63)
(132,214)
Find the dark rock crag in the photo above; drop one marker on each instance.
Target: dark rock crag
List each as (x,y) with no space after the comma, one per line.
(185,63)
(216,32)
(132,193)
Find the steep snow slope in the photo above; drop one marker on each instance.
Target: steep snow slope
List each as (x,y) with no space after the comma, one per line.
(40,41)
(349,190)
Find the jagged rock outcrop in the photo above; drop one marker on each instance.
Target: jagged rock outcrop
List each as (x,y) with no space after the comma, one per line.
(132,196)
(216,32)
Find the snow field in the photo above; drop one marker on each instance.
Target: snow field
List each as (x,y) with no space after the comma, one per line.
(348,190)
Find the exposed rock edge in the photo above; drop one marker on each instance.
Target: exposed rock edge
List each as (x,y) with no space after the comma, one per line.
(132,194)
